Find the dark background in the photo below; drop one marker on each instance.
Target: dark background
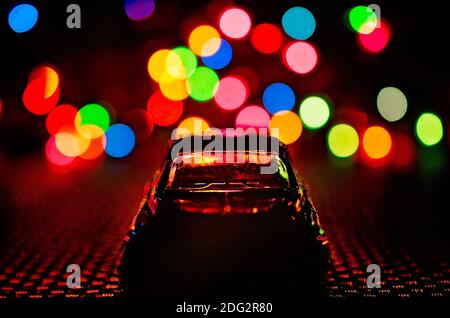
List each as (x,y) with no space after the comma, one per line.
(392,217)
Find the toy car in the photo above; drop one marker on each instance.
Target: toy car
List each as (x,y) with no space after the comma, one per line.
(207,226)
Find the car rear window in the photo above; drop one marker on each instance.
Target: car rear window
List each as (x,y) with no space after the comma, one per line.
(195,171)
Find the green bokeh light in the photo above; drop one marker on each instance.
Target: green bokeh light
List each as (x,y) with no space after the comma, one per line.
(343,140)
(362,19)
(202,84)
(314,112)
(181,62)
(94,114)
(392,103)
(429,129)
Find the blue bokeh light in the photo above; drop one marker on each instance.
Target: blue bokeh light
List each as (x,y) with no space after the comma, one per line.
(278,97)
(22,18)
(221,58)
(299,23)
(139,10)
(120,140)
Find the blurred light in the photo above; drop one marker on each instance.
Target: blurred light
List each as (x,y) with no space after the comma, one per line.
(204,40)
(92,121)
(278,97)
(249,76)
(156,65)
(140,121)
(95,149)
(173,88)
(376,41)
(22,18)
(34,98)
(403,150)
(377,142)
(49,78)
(231,93)
(392,103)
(181,62)
(163,111)
(202,84)
(54,155)
(266,38)
(362,19)
(298,23)
(139,10)
(300,57)
(253,117)
(62,116)
(343,140)
(191,126)
(429,129)
(314,112)
(70,143)
(235,23)
(288,124)
(221,58)
(119,140)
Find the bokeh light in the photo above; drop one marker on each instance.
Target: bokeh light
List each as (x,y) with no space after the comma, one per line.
(403,150)
(92,121)
(141,122)
(288,124)
(232,93)
(362,19)
(266,38)
(95,149)
(54,155)
(221,58)
(23,17)
(376,41)
(300,57)
(42,92)
(202,84)
(156,65)
(61,117)
(163,111)
(192,126)
(173,88)
(253,117)
(392,103)
(278,97)
(204,40)
(235,23)
(180,63)
(299,23)
(70,143)
(343,140)
(139,10)
(429,129)
(376,142)
(119,140)
(314,112)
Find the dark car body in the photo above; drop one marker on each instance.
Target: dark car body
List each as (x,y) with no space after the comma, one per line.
(243,235)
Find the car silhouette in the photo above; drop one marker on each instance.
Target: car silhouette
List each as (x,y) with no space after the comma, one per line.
(210,223)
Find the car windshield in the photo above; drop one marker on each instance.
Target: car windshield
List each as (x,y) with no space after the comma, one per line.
(227,171)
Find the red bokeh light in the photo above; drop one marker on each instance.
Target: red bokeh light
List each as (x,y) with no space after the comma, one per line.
(141,123)
(62,116)
(267,38)
(300,57)
(163,111)
(376,41)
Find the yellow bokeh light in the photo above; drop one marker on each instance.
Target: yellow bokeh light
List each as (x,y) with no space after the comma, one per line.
(173,88)
(157,64)
(191,126)
(71,144)
(204,40)
(288,124)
